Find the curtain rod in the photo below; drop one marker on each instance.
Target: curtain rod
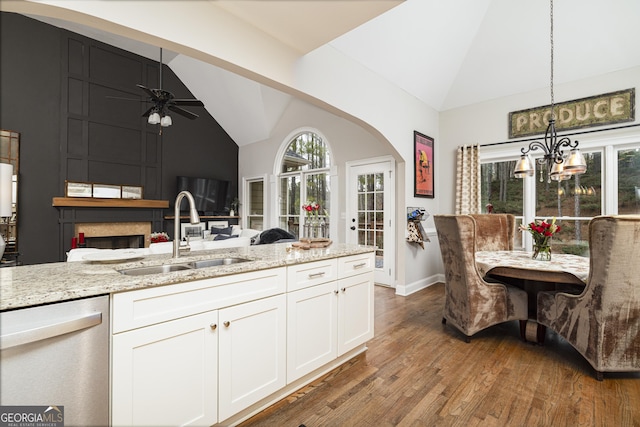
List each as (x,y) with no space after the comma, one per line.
(565,134)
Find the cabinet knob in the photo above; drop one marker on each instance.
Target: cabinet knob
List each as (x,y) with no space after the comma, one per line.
(335,292)
(227,323)
(213,326)
(344,289)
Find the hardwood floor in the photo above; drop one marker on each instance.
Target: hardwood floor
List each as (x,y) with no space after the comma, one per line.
(418,372)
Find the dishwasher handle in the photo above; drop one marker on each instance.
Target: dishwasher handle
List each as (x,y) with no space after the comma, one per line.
(64,326)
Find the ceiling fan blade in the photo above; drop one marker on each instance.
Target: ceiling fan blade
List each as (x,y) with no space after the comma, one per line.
(188,102)
(146,113)
(149,92)
(183,112)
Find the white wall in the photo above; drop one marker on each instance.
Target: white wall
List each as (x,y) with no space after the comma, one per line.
(347,140)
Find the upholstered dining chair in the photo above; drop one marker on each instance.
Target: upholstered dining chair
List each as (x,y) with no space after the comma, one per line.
(494,232)
(471,303)
(603,322)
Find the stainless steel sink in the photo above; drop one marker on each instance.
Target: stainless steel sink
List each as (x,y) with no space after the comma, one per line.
(216,262)
(168,268)
(155,269)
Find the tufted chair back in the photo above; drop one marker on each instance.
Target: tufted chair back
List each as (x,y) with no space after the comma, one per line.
(603,322)
(494,232)
(471,303)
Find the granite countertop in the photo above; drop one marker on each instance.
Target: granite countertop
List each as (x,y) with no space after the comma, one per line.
(31,285)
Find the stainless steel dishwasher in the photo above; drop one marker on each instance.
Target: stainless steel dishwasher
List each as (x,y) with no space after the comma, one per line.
(58,355)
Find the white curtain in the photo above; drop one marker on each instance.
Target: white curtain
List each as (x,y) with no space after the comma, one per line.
(468,180)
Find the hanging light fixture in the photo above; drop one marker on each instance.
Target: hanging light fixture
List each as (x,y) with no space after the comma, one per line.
(558,168)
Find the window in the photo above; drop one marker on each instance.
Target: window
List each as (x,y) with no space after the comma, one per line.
(629,181)
(255,203)
(304,177)
(610,186)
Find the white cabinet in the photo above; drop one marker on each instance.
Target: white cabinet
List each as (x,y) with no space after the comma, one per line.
(326,320)
(252,351)
(166,374)
(203,352)
(173,347)
(312,316)
(355,311)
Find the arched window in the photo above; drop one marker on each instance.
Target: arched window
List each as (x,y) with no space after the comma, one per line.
(304,177)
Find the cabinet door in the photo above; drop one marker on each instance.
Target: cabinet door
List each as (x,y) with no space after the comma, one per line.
(166,374)
(355,311)
(312,315)
(252,353)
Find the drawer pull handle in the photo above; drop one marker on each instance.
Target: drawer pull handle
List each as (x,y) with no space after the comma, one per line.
(314,275)
(362,264)
(227,323)
(213,326)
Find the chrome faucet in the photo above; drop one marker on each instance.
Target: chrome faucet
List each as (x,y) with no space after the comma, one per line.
(193,217)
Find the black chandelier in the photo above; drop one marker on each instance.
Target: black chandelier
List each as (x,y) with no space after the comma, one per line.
(558,167)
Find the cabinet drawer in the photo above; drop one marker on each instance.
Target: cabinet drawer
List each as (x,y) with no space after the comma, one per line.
(355,264)
(312,273)
(145,307)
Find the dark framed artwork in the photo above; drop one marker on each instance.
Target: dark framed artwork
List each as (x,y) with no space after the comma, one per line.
(423,165)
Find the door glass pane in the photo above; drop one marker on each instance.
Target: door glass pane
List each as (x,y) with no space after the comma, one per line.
(629,181)
(371,214)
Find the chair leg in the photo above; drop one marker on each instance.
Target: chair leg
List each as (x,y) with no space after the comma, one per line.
(523,330)
(467,339)
(599,375)
(444,321)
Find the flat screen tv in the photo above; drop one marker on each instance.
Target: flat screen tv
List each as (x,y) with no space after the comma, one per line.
(210,194)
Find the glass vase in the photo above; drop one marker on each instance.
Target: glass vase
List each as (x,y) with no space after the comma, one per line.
(542,252)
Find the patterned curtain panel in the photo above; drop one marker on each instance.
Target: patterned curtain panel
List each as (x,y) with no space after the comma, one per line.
(468,180)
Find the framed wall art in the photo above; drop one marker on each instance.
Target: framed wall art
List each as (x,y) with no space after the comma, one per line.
(423,165)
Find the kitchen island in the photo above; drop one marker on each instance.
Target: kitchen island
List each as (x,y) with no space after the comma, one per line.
(215,345)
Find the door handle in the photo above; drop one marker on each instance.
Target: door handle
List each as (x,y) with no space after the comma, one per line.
(62,327)
(353,227)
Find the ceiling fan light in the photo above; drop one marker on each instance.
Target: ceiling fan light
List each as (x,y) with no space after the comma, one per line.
(575,164)
(524,167)
(166,121)
(154,118)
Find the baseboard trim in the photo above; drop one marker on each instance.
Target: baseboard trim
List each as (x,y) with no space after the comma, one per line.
(419,285)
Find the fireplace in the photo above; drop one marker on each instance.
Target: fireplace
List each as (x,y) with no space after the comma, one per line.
(115,235)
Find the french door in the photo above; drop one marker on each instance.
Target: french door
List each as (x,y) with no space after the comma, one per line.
(370,218)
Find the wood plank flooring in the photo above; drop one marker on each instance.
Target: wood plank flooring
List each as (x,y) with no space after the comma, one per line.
(418,372)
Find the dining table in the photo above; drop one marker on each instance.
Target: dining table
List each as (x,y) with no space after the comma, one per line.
(563,272)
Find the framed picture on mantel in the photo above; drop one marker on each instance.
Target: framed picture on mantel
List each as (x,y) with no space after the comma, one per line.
(423,165)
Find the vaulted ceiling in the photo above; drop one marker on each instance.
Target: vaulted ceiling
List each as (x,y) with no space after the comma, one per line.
(446,53)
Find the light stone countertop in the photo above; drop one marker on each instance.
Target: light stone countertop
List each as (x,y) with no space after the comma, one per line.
(31,285)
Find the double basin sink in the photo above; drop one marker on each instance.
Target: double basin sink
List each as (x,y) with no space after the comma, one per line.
(168,268)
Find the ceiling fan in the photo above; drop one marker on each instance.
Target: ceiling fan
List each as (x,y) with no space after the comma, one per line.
(164,101)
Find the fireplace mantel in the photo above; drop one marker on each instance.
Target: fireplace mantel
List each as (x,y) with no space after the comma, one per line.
(89,202)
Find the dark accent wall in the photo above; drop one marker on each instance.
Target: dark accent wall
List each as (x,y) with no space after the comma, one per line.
(55,89)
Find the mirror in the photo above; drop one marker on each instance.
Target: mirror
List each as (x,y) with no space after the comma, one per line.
(10,153)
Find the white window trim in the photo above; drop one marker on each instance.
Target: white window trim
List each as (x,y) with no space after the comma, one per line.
(244,218)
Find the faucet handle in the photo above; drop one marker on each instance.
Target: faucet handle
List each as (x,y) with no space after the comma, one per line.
(186,247)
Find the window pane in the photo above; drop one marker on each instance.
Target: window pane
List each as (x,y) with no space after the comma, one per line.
(629,181)
(307,151)
(578,197)
(289,211)
(500,189)
(256,202)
